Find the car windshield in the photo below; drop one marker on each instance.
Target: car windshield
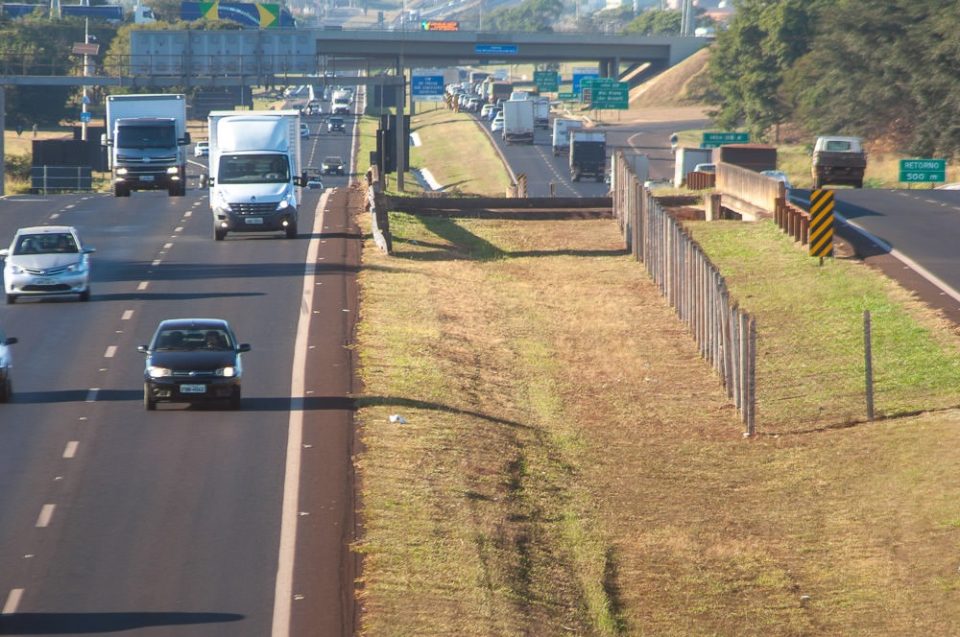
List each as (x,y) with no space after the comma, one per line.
(182,340)
(336,161)
(253,169)
(160,136)
(53,243)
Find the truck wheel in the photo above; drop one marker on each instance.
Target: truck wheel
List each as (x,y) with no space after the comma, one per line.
(120,190)
(6,390)
(858,184)
(575,175)
(219,233)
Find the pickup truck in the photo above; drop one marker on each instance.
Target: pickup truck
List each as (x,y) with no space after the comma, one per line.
(838,160)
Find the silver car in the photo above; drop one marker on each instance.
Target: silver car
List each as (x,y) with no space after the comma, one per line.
(6,366)
(46,260)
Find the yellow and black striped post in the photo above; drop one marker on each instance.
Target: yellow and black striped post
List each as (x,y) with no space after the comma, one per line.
(821,223)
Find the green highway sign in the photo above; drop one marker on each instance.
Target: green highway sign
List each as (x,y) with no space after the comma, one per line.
(713,140)
(923,170)
(598,82)
(546,81)
(613,95)
(566,96)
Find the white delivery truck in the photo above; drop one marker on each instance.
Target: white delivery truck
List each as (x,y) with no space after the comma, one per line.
(518,121)
(541,113)
(561,134)
(146,140)
(342,100)
(255,176)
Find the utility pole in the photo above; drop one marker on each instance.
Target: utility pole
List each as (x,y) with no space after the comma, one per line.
(86,73)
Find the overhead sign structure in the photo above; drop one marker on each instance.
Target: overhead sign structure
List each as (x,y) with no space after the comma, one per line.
(496,49)
(426,85)
(923,170)
(821,223)
(439,25)
(546,81)
(715,140)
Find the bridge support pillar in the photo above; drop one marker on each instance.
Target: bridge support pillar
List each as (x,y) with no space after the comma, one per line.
(615,68)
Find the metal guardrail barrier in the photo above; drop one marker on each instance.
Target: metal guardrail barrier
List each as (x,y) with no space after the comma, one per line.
(47,179)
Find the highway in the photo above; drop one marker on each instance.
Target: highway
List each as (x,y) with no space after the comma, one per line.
(170,522)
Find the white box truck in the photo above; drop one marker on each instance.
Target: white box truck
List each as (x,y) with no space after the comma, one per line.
(146,140)
(541,113)
(342,100)
(518,121)
(561,134)
(255,176)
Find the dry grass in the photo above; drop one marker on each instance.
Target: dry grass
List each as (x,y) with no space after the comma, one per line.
(570,465)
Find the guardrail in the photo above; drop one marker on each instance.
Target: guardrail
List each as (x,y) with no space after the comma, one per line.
(793,220)
(379,217)
(748,192)
(726,334)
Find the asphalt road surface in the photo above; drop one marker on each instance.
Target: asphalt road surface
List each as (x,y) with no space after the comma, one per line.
(175,522)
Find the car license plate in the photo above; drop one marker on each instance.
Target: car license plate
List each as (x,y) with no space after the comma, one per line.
(44,281)
(193,389)
(253,221)
(146,177)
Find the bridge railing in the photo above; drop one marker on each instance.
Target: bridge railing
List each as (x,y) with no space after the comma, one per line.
(747,191)
(692,284)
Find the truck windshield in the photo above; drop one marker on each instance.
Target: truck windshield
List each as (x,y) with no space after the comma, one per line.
(253,169)
(161,136)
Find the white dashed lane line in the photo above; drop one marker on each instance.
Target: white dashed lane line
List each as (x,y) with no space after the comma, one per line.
(127,315)
(55,215)
(111,351)
(156,262)
(13,601)
(143,285)
(70,450)
(46,514)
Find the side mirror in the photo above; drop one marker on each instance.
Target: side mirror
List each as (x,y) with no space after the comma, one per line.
(89,250)
(142,348)
(204,181)
(103,140)
(4,253)
(243,347)
(11,340)
(186,139)
(303,178)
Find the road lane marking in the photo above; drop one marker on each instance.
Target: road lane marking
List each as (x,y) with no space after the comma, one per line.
(55,215)
(46,514)
(283,591)
(127,315)
(178,229)
(13,600)
(156,262)
(188,214)
(111,351)
(167,246)
(71,449)
(143,285)
(92,395)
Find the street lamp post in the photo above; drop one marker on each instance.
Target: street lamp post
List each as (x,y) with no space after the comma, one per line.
(86,71)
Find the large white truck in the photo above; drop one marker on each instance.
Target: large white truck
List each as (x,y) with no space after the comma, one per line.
(342,100)
(146,140)
(561,134)
(518,121)
(255,175)
(541,113)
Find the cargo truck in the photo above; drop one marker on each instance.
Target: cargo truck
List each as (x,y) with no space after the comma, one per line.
(541,113)
(588,154)
(518,121)
(255,176)
(499,91)
(146,138)
(561,134)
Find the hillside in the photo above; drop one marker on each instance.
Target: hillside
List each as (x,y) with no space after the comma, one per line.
(676,86)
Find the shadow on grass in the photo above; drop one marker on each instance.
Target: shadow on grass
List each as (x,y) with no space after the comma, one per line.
(394,401)
(466,245)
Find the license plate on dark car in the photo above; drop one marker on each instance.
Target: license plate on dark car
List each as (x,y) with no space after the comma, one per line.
(193,389)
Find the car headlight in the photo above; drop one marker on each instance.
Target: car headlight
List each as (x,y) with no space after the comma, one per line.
(173,170)
(227,372)
(122,171)
(158,372)
(15,269)
(283,205)
(80,266)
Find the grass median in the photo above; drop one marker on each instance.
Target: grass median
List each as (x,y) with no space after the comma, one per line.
(569,464)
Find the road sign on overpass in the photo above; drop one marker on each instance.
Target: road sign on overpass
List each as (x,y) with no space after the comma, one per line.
(923,170)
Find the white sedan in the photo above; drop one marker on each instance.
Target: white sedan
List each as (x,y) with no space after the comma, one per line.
(46,261)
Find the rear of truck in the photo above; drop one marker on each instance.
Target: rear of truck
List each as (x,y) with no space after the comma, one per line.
(588,155)
(839,161)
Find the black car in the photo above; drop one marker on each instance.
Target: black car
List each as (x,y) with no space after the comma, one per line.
(193,360)
(332,165)
(336,125)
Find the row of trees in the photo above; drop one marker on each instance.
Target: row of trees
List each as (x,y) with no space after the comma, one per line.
(881,70)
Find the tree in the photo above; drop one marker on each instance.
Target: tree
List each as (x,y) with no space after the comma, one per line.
(655,22)
(531,15)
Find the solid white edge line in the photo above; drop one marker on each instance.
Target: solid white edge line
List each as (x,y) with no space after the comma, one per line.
(13,600)
(71,449)
(283,591)
(46,514)
(926,274)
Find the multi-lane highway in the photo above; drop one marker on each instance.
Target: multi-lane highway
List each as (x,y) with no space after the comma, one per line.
(182,521)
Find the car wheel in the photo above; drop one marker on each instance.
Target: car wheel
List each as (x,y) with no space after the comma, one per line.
(85,295)
(219,233)
(11,299)
(291,231)
(119,190)
(6,390)
(148,403)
